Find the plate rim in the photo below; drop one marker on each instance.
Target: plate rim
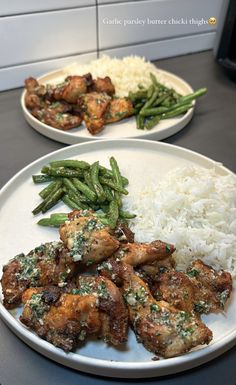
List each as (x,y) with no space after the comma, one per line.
(119,369)
(70,138)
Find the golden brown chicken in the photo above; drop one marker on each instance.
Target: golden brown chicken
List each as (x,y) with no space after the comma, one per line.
(47,264)
(201,289)
(118,109)
(88,240)
(34,93)
(103,85)
(54,118)
(62,319)
(72,88)
(113,311)
(144,253)
(162,328)
(94,106)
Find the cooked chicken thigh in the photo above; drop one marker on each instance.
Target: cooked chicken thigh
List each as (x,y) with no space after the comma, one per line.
(47,264)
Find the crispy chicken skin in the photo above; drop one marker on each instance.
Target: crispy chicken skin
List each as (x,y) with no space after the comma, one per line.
(48,264)
(72,88)
(112,308)
(62,319)
(34,93)
(213,288)
(201,289)
(88,240)
(94,106)
(143,253)
(61,120)
(103,85)
(119,108)
(163,329)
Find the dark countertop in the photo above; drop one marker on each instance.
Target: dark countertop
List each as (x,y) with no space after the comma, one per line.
(212,132)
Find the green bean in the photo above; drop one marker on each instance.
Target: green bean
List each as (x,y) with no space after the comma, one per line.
(55,220)
(61,171)
(139,122)
(113,214)
(153,122)
(87,179)
(54,200)
(150,91)
(126,215)
(75,198)
(154,111)
(46,191)
(108,192)
(70,164)
(90,194)
(154,79)
(188,98)
(113,185)
(117,179)
(69,185)
(160,99)
(42,178)
(116,172)
(94,170)
(108,173)
(141,94)
(49,197)
(150,101)
(178,111)
(71,204)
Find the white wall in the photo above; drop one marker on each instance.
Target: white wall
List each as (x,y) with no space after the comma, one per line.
(38,37)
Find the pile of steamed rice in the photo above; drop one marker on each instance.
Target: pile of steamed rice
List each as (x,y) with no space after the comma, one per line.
(126,74)
(193,208)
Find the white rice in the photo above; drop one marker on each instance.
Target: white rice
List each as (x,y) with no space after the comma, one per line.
(126,74)
(195,209)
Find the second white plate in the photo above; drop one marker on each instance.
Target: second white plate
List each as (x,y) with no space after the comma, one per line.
(124,129)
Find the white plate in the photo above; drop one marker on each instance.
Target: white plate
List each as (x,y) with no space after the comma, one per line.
(124,129)
(142,161)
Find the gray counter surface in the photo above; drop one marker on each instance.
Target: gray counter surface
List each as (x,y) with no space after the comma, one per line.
(212,132)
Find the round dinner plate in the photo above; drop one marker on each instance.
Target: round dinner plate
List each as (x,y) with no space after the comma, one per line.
(123,129)
(143,162)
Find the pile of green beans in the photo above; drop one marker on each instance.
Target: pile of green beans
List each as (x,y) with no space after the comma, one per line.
(160,102)
(82,186)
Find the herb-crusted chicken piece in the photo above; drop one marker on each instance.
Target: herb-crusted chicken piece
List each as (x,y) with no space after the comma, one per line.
(88,240)
(72,88)
(103,85)
(201,289)
(63,319)
(118,109)
(56,117)
(94,106)
(162,328)
(113,311)
(35,92)
(47,264)
(144,253)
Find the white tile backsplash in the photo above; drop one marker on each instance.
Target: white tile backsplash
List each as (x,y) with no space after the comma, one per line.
(14,7)
(47,35)
(165,48)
